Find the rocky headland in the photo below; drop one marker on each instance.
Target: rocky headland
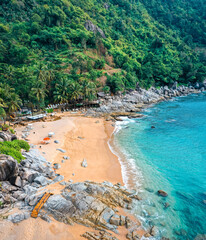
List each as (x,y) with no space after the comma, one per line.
(132,102)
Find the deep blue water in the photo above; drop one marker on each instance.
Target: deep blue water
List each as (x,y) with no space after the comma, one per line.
(171,157)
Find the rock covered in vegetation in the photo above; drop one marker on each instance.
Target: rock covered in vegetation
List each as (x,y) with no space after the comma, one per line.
(93,28)
(8,167)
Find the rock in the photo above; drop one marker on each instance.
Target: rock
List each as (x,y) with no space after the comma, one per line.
(200,237)
(93,28)
(162,193)
(8,167)
(84,163)
(18,217)
(122,220)
(29,175)
(166,205)
(147,235)
(61,150)
(128,222)
(104,235)
(16,181)
(7,136)
(58,178)
(50,134)
(29,190)
(41,180)
(45,217)
(56,141)
(154,231)
(57,203)
(57,166)
(115,220)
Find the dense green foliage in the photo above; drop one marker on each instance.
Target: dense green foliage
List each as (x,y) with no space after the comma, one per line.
(47,55)
(14,148)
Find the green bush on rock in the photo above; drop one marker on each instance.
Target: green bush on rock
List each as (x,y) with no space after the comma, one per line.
(14,148)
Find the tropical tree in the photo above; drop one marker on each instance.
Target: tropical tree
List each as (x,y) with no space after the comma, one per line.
(75,91)
(61,93)
(14,102)
(39,91)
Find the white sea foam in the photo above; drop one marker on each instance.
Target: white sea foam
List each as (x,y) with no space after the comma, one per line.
(128,165)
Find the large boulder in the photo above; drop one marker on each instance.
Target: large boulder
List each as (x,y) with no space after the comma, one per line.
(8,167)
(7,136)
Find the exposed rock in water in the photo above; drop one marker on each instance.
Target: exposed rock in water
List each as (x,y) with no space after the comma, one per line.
(201,237)
(8,167)
(162,193)
(93,28)
(7,136)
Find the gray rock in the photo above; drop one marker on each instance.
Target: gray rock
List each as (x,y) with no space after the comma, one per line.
(58,178)
(18,217)
(16,181)
(154,231)
(84,163)
(29,190)
(29,175)
(7,136)
(115,220)
(8,167)
(93,28)
(41,180)
(60,204)
(45,217)
(57,166)
(56,141)
(61,150)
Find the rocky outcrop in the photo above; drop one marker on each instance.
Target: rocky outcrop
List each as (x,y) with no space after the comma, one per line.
(7,136)
(162,193)
(8,167)
(93,28)
(100,235)
(135,100)
(91,204)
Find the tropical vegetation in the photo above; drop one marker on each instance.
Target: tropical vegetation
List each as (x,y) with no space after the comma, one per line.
(47,55)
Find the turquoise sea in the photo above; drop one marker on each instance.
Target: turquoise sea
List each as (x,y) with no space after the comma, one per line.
(170,157)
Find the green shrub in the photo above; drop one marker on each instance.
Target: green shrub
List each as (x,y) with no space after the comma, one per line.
(12,130)
(22,144)
(11,152)
(50,110)
(14,148)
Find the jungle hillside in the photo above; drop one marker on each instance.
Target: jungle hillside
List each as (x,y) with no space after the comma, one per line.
(55,51)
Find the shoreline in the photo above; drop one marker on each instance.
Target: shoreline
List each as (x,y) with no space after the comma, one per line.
(84,138)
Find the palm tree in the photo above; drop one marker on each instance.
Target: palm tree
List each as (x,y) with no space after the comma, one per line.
(39,90)
(14,102)
(75,91)
(61,93)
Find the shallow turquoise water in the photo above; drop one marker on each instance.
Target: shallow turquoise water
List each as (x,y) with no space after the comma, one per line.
(171,157)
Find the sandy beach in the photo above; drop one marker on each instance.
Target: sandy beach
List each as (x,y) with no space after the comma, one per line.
(81,138)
